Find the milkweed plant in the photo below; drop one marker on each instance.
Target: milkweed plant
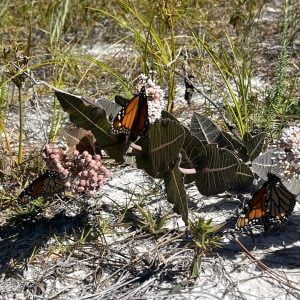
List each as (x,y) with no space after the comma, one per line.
(82,172)
(155,97)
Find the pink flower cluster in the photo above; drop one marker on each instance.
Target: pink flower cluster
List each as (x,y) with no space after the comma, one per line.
(83,172)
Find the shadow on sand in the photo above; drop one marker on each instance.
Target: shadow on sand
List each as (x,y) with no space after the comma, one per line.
(283,238)
(19,240)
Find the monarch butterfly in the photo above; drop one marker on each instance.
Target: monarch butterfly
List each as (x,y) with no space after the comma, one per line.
(46,184)
(133,119)
(271,204)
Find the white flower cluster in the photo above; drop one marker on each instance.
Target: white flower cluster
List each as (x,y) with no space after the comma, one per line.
(155,95)
(289,157)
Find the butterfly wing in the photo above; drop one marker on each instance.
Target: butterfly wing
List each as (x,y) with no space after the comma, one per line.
(281,203)
(133,119)
(271,204)
(125,118)
(48,183)
(141,122)
(53,184)
(255,211)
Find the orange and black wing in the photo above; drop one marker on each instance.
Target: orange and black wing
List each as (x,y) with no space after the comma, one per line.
(281,201)
(271,204)
(53,184)
(133,119)
(255,211)
(48,183)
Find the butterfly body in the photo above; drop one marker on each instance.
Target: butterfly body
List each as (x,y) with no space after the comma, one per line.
(271,204)
(46,184)
(132,120)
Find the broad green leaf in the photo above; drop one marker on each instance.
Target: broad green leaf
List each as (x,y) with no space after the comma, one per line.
(230,142)
(161,147)
(267,162)
(204,129)
(254,144)
(86,115)
(166,115)
(243,179)
(110,107)
(194,152)
(176,192)
(294,186)
(218,172)
(207,132)
(193,155)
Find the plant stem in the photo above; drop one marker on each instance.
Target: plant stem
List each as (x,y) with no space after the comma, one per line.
(171,84)
(55,122)
(6,138)
(20,152)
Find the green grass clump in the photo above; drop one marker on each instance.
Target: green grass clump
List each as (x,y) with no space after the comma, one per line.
(205,240)
(281,103)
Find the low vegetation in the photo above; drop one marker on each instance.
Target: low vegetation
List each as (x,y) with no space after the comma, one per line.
(239,74)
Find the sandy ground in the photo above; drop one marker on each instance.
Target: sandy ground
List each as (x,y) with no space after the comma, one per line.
(128,263)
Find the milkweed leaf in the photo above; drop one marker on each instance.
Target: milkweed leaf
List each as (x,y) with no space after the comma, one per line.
(176,192)
(218,172)
(89,116)
(161,147)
